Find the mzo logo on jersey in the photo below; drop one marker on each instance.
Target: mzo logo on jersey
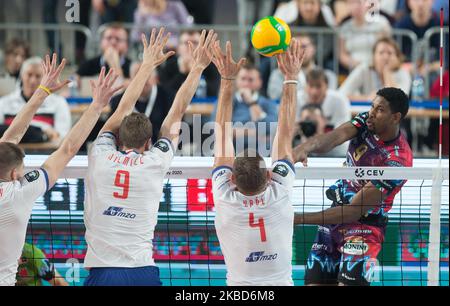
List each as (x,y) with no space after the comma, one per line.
(118,212)
(259,256)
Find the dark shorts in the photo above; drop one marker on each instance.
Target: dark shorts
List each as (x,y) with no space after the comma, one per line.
(344,254)
(142,276)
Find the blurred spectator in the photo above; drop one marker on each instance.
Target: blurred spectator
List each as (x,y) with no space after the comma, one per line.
(276,78)
(154,102)
(312,122)
(386,71)
(34,268)
(16,52)
(49,13)
(114,47)
(314,14)
(174,71)
(334,106)
(115,10)
(156,13)
(250,107)
(387,8)
(53,118)
(201,10)
(305,12)
(358,35)
(419,20)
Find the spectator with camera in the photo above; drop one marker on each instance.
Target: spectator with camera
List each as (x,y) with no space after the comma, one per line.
(312,122)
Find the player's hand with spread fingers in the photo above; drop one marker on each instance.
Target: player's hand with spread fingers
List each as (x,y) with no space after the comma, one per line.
(52,72)
(290,62)
(224,62)
(154,50)
(203,54)
(103,89)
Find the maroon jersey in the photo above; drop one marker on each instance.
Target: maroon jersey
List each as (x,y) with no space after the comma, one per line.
(366,150)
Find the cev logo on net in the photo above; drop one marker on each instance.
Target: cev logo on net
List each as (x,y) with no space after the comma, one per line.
(73,11)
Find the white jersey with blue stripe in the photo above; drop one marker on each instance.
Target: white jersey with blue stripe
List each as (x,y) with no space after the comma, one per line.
(255,232)
(122,201)
(16,203)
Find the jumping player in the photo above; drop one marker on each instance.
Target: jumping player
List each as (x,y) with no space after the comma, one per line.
(351,232)
(19,191)
(125,175)
(254,213)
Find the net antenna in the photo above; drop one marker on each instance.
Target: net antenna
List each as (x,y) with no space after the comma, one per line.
(436,191)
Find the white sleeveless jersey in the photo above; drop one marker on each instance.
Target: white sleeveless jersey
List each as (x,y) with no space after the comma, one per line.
(122,201)
(255,232)
(16,203)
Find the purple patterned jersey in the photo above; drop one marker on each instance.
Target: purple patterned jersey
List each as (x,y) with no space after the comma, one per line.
(366,150)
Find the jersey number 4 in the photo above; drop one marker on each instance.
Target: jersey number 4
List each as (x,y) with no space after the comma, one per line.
(122,180)
(260,224)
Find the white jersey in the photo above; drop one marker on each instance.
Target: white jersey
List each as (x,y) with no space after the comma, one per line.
(16,203)
(255,232)
(122,202)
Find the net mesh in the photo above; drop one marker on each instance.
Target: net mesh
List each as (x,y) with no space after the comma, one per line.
(187,250)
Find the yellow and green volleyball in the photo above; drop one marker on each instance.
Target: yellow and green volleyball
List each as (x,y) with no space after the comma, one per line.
(270,36)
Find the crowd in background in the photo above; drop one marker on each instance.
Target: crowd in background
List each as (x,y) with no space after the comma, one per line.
(369,58)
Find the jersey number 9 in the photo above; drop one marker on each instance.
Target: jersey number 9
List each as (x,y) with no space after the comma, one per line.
(122,180)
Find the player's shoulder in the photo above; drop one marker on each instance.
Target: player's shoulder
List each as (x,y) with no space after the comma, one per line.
(400,153)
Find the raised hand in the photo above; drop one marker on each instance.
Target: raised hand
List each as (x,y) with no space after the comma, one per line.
(154,51)
(52,73)
(102,89)
(224,62)
(290,62)
(203,54)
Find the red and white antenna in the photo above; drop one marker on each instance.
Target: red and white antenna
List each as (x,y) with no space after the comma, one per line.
(441,71)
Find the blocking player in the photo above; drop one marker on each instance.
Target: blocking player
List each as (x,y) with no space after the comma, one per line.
(19,191)
(254,213)
(351,232)
(125,175)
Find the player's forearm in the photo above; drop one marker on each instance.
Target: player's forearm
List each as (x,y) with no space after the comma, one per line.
(182,100)
(286,122)
(22,121)
(317,144)
(334,215)
(224,136)
(81,130)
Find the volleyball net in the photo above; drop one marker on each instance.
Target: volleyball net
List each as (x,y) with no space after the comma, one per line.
(186,248)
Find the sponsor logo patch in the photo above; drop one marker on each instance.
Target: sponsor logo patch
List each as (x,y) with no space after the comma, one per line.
(162,145)
(32,176)
(259,256)
(281,170)
(118,212)
(355,246)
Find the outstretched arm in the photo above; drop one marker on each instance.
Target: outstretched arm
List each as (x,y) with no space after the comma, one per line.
(202,56)
(102,91)
(367,198)
(223,130)
(325,142)
(50,83)
(153,56)
(290,64)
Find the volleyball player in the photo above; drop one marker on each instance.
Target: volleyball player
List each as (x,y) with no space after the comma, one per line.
(254,213)
(19,190)
(125,175)
(351,232)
